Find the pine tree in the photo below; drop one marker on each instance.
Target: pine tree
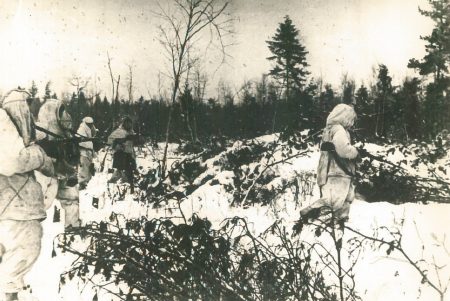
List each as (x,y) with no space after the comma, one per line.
(411,98)
(435,64)
(33,90)
(309,118)
(289,56)
(48,92)
(437,59)
(362,97)
(327,100)
(348,90)
(383,96)
(364,111)
(34,102)
(187,109)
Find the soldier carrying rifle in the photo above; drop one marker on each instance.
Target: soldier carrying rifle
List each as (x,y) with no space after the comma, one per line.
(86,169)
(59,142)
(124,157)
(22,206)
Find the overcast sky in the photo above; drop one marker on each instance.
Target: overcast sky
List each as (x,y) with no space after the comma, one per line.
(53,40)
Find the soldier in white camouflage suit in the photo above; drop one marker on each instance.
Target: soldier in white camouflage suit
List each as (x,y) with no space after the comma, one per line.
(85,170)
(54,118)
(21,198)
(337,166)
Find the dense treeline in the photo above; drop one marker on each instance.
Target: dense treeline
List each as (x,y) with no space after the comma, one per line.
(401,112)
(287,98)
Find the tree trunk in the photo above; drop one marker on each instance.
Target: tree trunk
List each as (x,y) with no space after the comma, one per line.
(194,120)
(117,88)
(274,116)
(188,123)
(174,96)
(112,77)
(164,164)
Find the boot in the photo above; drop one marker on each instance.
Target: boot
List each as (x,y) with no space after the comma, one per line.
(11,297)
(26,295)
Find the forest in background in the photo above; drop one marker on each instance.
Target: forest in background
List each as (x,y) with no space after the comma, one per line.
(286,98)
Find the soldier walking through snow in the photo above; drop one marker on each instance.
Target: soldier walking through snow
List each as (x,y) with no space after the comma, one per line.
(85,171)
(21,198)
(60,144)
(336,169)
(124,158)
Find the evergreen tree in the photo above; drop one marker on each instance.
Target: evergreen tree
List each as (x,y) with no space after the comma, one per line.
(327,100)
(383,95)
(309,119)
(437,59)
(411,103)
(348,90)
(249,115)
(33,90)
(34,102)
(362,97)
(48,92)
(187,109)
(364,111)
(435,64)
(289,56)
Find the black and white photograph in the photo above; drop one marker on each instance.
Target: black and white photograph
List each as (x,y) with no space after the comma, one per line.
(229,150)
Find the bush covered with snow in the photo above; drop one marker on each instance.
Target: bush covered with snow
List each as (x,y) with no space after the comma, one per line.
(158,259)
(405,173)
(221,226)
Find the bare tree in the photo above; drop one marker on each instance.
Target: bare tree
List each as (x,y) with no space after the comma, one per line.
(130,87)
(111,75)
(117,89)
(78,82)
(200,81)
(224,92)
(184,20)
(78,104)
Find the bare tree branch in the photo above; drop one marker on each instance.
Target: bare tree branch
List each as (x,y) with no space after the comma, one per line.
(111,75)
(188,19)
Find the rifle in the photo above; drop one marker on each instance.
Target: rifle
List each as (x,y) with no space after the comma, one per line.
(108,148)
(330,148)
(75,138)
(63,148)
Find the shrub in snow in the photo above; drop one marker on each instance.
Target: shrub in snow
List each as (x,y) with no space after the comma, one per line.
(159,259)
(419,176)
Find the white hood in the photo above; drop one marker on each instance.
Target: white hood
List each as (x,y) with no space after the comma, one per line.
(15,104)
(342,114)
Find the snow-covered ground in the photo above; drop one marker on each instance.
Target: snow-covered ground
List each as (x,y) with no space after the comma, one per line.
(378,276)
